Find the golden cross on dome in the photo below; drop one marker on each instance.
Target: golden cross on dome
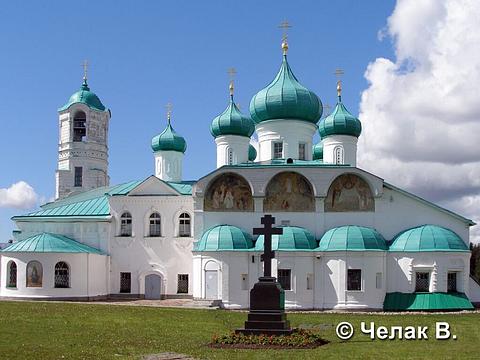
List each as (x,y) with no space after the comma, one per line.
(85,69)
(338,74)
(285,25)
(231,72)
(169,107)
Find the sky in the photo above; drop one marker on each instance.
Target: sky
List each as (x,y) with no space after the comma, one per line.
(411,67)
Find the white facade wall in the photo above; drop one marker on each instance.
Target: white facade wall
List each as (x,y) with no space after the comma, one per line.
(169,165)
(232,149)
(346,144)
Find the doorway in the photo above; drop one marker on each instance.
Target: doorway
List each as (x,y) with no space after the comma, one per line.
(153,287)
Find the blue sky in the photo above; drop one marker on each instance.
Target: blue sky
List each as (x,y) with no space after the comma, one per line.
(144,54)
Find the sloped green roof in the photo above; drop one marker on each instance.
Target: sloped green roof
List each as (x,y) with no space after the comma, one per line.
(169,140)
(224,238)
(426,301)
(183,187)
(318,151)
(84,96)
(51,243)
(285,98)
(232,122)
(352,238)
(340,122)
(428,238)
(252,153)
(294,238)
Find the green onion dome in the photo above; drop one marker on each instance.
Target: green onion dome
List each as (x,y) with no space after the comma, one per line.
(293,238)
(169,140)
(252,153)
(224,238)
(428,238)
(340,122)
(352,238)
(232,122)
(84,96)
(318,151)
(285,98)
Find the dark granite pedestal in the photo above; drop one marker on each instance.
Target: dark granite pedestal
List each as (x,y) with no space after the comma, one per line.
(267,309)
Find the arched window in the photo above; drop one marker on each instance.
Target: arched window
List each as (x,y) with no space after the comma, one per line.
(126,224)
(338,155)
(155,228)
(184,226)
(79,126)
(12,274)
(34,274)
(62,275)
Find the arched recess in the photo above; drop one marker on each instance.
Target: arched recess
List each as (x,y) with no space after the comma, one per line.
(211,280)
(228,192)
(79,126)
(34,274)
(347,193)
(289,192)
(11,274)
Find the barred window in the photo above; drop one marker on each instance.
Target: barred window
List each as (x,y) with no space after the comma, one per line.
(155,225)
(184,229)
(284,278)
(126,224)
(78,180)
(62,275)
(277,150)
(422,281)
(12,274)
(125,282)
(452,282)
(182,284)
(354,280)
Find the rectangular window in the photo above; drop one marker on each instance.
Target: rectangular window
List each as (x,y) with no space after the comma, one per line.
(452,282)
(278,150)
(422,281)
(301,152)
(182,284)
(284,278)
(309,281)
(78,176)
(125,282)
(378,281)
(354,280)
(244,279)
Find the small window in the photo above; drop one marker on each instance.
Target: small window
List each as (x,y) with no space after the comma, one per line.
(338,155)
(79,126)
(126,224)
(78,176)
(422,282)
(301,151)
(125,282)
(244,280)
(354,280)
(253,259)
(184,225)
(12,275)
(278,150)
(378,281)
(62,275)
(310,281)
(284,278)
(452,282)
(34,274)
(230,157)
(182,284)
(155,225)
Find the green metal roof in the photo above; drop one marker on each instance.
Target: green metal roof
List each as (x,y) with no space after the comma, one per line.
(426,301)
(224,238)
(232,122)
(340,122)
(428,238)
(294,238)
(352,238)
(318,151)
(84,96)
(285,98)
(183,187)
(169,140)
(51,243)
(252,153)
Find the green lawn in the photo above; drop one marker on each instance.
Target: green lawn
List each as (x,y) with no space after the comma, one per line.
(39,330)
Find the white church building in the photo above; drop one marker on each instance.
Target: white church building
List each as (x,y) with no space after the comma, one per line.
(350,240)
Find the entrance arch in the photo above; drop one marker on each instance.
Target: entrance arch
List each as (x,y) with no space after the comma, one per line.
(153,287)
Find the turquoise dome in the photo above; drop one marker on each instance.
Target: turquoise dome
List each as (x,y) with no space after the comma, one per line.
(84,96)
(224,238)
(340,122)
(285,98)
(232,122)
(169,140)
(293,238)
(252,153)
(352,238)
(428,238)
(318,151)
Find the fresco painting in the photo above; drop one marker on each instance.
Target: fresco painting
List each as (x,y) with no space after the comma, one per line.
(289,191)
(229,192)
(349,192)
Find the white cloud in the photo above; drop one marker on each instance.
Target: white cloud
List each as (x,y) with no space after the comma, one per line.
(421,111)
(19,196)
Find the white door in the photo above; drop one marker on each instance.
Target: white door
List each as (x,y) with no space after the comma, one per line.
(153,285)
(211,284)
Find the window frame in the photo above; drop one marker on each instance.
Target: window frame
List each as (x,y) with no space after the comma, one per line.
(78,176)
(9,275)
(126,224)
(128,276)
(155,217)
(275,153)
(419,289)
(338,155)
(180,280)
(354,284)
(186,225)
(79,131)
(66,268)
(284,277)
(455,274)
(302,150)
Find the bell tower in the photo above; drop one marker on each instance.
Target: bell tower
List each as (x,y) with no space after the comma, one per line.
(83,143)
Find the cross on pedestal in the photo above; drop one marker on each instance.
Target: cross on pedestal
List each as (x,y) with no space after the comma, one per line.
(267,231)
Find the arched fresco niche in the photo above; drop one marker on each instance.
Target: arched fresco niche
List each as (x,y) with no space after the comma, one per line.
(349,192)
(228,192)
(289,191)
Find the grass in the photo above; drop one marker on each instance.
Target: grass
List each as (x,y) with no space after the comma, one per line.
(41,330)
